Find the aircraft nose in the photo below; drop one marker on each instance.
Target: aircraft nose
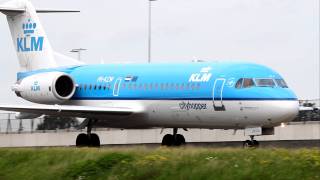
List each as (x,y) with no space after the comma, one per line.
(286,111)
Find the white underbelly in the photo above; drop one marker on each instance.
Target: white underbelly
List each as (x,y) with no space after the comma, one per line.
(202,114)
(236,114)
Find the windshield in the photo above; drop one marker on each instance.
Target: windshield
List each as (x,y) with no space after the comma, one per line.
(239,83)
(247,82)
(244,83)
(265,82)
(281,83)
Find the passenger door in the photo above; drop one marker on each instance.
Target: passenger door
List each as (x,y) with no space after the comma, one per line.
(217,94)
(116,87)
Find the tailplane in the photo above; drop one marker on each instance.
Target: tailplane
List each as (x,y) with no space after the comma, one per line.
(30,40)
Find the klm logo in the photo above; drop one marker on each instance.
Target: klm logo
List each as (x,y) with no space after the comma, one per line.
(29,42)
(35,86)
(203,76)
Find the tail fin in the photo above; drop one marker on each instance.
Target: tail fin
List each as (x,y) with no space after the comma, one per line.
(31,43)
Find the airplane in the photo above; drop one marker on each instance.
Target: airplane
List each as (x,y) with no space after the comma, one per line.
(208,95)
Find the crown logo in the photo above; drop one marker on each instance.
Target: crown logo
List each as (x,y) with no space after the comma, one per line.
(29,27)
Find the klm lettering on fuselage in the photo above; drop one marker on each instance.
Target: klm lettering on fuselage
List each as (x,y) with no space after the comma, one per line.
(29,42)
(203,76)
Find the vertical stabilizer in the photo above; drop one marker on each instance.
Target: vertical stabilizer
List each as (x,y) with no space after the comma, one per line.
(30,40)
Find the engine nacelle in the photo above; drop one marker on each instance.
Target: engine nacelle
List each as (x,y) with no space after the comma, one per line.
(46,88)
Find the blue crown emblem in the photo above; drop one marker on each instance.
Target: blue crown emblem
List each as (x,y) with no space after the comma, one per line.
(29,27)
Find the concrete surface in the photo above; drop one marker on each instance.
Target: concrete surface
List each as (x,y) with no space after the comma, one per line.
(296,132)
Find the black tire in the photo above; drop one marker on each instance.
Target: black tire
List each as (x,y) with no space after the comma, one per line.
(167,140)
(94,140)
(179,140)
(82,140)
(247,144)
(255,143)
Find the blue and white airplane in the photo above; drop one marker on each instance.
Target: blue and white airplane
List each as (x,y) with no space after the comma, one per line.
(212,95)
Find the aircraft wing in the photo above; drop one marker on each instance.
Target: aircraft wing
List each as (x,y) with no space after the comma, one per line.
(71,111)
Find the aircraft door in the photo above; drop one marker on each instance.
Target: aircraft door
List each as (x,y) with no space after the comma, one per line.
(217,94)
(116,87)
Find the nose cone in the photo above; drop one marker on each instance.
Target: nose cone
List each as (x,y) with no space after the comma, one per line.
(287,108)
(287,111)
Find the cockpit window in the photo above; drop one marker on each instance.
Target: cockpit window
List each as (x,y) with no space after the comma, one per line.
(239,83)
(247,82)
(265,82)
(281,83)
(244,83)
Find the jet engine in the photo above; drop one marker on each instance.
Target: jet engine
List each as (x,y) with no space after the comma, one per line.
(46,88)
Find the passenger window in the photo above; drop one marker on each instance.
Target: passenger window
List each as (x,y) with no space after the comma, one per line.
(247,82)
(177,86)
(192,86)
(239,83)
(187,86)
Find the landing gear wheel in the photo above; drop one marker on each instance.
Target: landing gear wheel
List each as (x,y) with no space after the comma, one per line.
(247,144)
(179,140)
(167,140)
(94,140)
(250,144)
(82,140)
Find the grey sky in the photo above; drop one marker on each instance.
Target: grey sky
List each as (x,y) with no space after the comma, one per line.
(282,34)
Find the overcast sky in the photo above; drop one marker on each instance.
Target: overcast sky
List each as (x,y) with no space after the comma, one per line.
(282,34)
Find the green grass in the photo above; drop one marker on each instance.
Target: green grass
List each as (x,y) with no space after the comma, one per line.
(162,163)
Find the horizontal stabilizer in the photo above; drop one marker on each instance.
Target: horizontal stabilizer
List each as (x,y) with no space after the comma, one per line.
(15,11)
(6,10)
(55,11)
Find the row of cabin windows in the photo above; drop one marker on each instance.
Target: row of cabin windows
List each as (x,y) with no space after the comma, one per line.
(260,82)
(146,86)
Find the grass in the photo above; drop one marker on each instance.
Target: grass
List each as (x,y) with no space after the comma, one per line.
(162,163)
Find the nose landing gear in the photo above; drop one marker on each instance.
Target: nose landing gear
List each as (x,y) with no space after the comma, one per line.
(173,139)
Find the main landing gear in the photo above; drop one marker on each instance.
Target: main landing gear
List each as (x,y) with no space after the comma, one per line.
(89,139)
(250,143)
(173,139)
